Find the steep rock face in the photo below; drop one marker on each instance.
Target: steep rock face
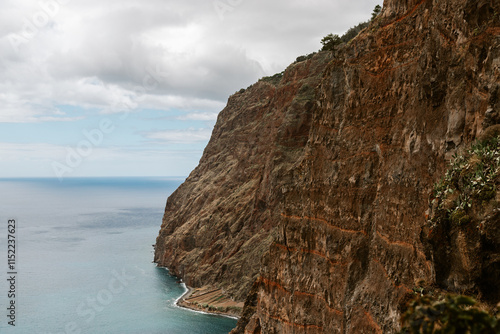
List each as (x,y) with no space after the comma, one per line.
(332,182)
(466,256)
(394,105)
(462,236)
(220,221)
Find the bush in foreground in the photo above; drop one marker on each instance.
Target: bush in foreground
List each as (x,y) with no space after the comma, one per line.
(448,314)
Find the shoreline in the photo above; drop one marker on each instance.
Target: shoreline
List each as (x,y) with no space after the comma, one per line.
(208,308)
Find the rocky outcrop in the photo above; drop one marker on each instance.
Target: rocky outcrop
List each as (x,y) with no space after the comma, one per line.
(220,221)
(394,105)
(332,182)
(462,236)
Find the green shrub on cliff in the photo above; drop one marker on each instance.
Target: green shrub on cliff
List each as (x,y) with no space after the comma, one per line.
(354,31)
(273,79)
(448,314)
(471,178)
(330,41)
(304,58)
(376,11)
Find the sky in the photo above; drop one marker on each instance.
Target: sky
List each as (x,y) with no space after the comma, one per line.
(133,87)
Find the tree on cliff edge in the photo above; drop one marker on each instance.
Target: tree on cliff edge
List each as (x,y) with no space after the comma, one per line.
(376,11)
(330,41)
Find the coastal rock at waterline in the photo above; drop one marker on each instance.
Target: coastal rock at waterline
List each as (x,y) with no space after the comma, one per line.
(222,219)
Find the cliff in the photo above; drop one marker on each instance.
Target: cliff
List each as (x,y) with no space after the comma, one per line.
(221,220)
(327,176)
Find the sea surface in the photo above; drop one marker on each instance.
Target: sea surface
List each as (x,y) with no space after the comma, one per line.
(83,259)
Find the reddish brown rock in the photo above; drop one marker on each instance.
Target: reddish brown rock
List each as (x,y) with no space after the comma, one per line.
(220,221)
(332,183)
(394,105)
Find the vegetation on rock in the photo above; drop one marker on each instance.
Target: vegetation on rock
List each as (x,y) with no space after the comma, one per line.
(472,177)
(304,58)
(273,79)
(448,314)
(376,11)
(331,41)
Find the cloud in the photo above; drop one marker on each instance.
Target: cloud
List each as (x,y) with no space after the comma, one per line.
(187,136)
(199,116)
(69,61)
(35,159)
(32,151)
(98,54)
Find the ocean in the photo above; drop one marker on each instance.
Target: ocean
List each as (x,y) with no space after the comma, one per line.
(83,259)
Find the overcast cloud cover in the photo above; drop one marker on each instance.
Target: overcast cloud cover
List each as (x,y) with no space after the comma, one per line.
(157,72)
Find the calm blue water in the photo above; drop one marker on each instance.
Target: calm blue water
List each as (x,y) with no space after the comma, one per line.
(84,259)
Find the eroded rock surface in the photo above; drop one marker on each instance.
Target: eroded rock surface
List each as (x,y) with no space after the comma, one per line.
(331,183)
(220,221)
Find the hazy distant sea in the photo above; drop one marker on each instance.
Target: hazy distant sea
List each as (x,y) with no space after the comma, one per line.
(84,259)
